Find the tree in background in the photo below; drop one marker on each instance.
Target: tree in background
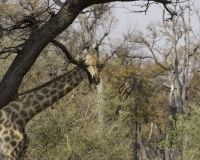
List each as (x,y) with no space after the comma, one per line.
(175,58)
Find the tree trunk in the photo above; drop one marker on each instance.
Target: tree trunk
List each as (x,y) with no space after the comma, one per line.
(140,141)
(171,113)
(100,104)
(133,131)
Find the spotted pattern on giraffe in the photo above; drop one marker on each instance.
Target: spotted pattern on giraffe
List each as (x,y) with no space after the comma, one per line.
(14,116)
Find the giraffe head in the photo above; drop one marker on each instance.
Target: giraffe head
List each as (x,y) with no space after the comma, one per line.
(92,62)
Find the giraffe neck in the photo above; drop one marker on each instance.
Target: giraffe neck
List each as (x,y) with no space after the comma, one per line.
(32,102)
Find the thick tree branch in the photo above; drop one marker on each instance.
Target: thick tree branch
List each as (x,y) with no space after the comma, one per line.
(107,1)
(80,64)
(64,49)
(139,57)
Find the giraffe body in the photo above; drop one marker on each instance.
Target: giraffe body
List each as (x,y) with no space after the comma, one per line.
(15,115)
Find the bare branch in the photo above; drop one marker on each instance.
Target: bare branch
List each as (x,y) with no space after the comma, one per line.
(79,63)
(140,57)
(99,43)
(145,10)
(10,50)
(1,31)
(157,62)
(30,21)
(170,12)
(64,49)
(163,1)
(58,2)
(194,50)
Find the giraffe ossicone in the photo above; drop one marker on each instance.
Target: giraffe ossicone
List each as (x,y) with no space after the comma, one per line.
(15,115)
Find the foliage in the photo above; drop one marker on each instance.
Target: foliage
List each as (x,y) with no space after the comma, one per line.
(175,132)
(192,132)
(71,131)
(185,132)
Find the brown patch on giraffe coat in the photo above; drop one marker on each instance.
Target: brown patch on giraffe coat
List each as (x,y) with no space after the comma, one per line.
(23,113)
(31,112)
(30,96)
(14,115)
(20,144)
(1,115)
(5,132)
(27,119)
(61,86)
(20,122)
(63,80)
(54,85)
(35,103)
(45,90)
(69,77)
(77,79)
(7,138)
(54,98)
(39,97)
(16,149)
(13,143)
(6,149)
(53,92)
(2,120)
(1,128)
(15,106)
(26,103)
(7,111)
(38,108)
(45,102)
(61,93)
(68,89)
(13,154)
(14,127)
(12,134)
(7,124)
(75,84)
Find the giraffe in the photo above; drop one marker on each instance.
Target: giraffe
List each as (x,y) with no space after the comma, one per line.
(15,115)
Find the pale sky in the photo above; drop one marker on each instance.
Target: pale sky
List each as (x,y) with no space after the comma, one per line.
(125,17)
(154,14)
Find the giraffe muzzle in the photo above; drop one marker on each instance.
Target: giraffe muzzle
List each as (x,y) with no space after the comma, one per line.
(95,80)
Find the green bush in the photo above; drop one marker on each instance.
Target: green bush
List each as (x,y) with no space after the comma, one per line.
(192,132)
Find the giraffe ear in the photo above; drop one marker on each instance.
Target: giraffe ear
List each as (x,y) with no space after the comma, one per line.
(87,50)
(96,52)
